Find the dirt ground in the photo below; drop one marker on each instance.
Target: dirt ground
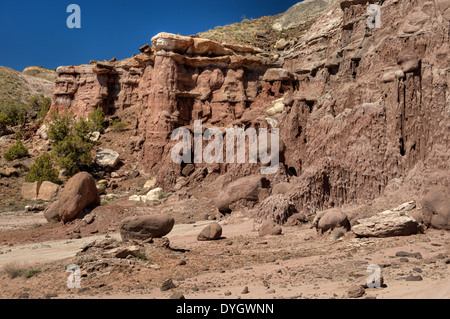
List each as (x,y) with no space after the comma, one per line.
(298,264)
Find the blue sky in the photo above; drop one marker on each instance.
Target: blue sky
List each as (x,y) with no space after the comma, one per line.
(34,32)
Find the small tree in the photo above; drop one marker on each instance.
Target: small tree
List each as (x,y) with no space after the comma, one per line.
(59,127)
(42,170)
(97,121)
(15,152)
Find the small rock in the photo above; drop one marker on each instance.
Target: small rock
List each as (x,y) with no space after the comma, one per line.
(177,295)
(404,260)
(414,278)
(227,293)
(245,291)
(211,232)
(270,228)
(167,285)
(356,291)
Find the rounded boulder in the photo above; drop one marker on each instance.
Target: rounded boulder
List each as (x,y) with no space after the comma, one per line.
(79,193)
(146,227)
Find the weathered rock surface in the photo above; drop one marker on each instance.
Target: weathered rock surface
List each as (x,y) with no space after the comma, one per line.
(394,222)
(277,208)
(211,232)
(362,106)
(48,191)
(269,228)
(146,227)
(79,193)
(30,191)
(246,188)
(436,208)
(331,219)
(107,158)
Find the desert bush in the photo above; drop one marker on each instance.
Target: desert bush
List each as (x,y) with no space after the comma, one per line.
(97,120)
(14,271)
(59,127)
(73,153)
(41,105)
(42,170)
(119,126)
(15,152)
(13,113)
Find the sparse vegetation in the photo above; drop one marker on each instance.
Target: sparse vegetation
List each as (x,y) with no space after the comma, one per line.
(15,152)
(70,138)
(119,126)
(15,271)
(97,120)
(42,170)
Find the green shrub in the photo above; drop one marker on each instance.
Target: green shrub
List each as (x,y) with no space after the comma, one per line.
(59,127)
(119,126)
(14,113)
(42,170)
(73,153)
(15,152)
(97,120)
(42,104)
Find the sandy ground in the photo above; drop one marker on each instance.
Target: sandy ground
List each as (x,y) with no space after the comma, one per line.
(298,264)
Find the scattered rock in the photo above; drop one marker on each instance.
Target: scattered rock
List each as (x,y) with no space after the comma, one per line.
(356,291)
(277,208)
(245,291)
(387,223)
(177,295)
(167,285)
(79,193)
(436,208)
(34,208)
(107,158)
(269,228)
(246,188)
(281,188)
(146,227)
(211,232)
(8,172)
(330,219)
(188,170)
(414,278)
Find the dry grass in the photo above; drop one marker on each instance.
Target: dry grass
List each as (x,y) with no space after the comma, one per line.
(14,271)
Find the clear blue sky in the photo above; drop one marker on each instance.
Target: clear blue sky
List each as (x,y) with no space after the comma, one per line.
(34,32)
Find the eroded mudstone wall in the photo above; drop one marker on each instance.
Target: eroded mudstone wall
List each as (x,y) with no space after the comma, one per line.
(356,106)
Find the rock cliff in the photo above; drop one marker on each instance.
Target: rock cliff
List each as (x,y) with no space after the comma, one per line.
(357,107)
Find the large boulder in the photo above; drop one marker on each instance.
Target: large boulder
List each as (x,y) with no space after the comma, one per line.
(146,227)
(245,188)
(211,232)
(436,208)
(30,191)
(79,193)
(48,191)
(396,222)
(107,158)
(331,219)
(269,228)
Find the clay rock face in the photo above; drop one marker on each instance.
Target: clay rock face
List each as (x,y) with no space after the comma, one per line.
(79,193)
(246,188)
(389,223)
(146,227)
(211,232)
(436,208)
